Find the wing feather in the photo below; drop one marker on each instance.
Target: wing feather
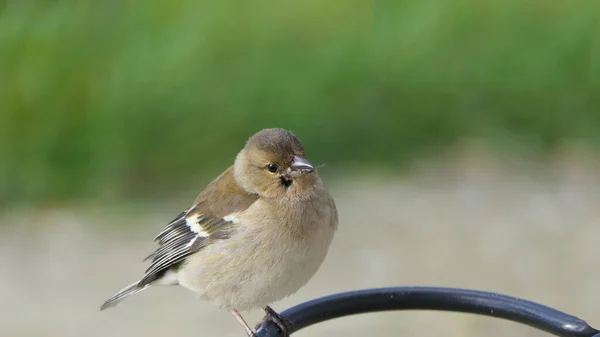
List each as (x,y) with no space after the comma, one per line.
(211,218)
(185,235)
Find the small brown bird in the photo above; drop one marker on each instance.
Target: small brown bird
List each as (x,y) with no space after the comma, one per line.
(253,236)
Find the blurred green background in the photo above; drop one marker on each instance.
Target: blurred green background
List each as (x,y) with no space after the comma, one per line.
(121,99)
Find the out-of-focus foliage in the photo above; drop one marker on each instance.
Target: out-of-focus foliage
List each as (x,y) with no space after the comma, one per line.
(117,98)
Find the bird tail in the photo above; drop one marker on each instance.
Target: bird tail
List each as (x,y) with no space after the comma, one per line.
(123,294)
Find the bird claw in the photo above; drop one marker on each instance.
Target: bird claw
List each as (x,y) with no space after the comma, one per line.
(282,323)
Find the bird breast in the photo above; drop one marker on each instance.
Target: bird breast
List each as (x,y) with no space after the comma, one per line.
(274,253)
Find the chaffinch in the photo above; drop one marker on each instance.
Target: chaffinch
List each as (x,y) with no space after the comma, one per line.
(253,236)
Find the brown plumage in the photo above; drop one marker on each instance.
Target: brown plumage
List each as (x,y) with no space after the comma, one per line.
(254,235)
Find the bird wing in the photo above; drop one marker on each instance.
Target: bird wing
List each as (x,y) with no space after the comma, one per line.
(209,220)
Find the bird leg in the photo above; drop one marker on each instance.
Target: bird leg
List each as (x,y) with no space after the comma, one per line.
(284,324)
(241,320)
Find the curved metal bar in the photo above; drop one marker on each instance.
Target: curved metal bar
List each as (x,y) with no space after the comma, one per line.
(429,298)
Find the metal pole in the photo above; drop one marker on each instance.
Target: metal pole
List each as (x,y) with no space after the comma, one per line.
(430,298)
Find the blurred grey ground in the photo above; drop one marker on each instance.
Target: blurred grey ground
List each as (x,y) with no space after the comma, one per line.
(530,232)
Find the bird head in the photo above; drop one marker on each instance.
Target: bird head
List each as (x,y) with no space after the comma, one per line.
(273,164)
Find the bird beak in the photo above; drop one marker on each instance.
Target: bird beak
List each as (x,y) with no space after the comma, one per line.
(301,164)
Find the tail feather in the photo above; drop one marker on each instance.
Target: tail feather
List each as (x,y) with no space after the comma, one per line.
(123,294)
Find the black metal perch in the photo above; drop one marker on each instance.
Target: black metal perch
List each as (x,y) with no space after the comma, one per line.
(429,298)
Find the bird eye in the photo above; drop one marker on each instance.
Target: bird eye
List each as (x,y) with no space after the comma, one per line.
(272,168)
